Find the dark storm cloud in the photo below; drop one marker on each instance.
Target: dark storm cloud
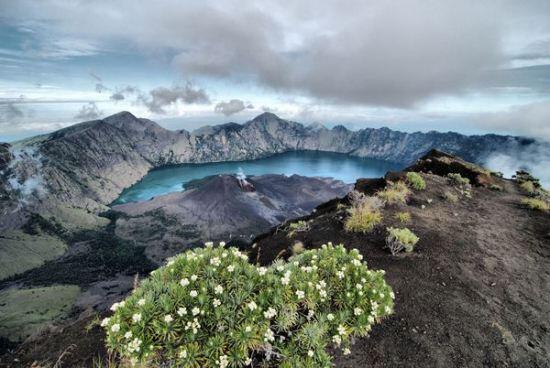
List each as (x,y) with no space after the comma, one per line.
(90,111)
(232,107)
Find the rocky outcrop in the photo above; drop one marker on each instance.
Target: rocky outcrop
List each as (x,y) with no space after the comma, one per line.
(87,165)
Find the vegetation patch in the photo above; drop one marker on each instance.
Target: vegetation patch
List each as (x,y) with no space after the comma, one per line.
(25,311)
(528,187)
(457,179)
(450,197)
(536,204)
(395,193)
(297,227)
(21,251)
(402,217)
(210,307)
(400,239)
(416,181)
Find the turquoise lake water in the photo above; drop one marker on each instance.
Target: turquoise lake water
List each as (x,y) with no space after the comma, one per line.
(307,163)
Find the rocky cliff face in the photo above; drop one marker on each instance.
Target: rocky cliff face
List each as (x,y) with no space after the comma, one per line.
(87,165)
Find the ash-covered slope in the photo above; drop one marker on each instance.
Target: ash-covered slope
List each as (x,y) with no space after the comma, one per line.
(221,207)
(86,166)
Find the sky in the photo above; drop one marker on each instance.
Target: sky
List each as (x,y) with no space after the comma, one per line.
(415,65)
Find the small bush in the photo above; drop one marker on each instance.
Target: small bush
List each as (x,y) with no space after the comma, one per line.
(296,227)
(457,179)
(211,308)
(536,204)
(528,187)
(400,239)
(395,193)
(402,217)
(362,219)
(416,181)
(450,197)
(358,199)
(496,188)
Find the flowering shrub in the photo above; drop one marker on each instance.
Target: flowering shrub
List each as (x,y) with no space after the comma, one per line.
(211,308)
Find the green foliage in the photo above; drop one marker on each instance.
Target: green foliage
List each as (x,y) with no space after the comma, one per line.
(402,217)
(296,227)
(362,219)
(536,204)
(210,307)
(395,193)
(496,187)
(401,239)
(416,181)
(453,198)
(457,179)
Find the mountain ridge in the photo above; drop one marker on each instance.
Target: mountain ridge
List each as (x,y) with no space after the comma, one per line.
(87,165)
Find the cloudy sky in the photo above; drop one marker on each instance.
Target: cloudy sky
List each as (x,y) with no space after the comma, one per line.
(467,66)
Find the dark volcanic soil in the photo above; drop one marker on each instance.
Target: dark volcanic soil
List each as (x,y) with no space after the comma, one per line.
(474,293)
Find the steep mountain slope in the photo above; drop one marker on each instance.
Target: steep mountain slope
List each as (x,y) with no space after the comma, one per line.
(87,165)
(473,293)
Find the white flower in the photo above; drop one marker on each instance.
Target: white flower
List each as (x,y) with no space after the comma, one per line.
(322,293)
(356,262)
(184,282)
(252,305)
(168,318)
(357,311)
(194,277)
(115,327)
(193,293)
(310,353)
(195,311)
(222,244)
(105,322)
(128,335)
(183,354)
(270,313)
(300,294)
(223,362)
(330,316)
(115,306)
(230,268)
(215,261)
(262,271)
(371,319)
(209,244)
(341,330)
(248,329)
(392,295)
(269,336)
(358,286)
(337,340)
(280,268)
(340,274)
(248,361)
(181,311)
(347,351)
(141,302)
(216,303)
(388,309)
(136,317)
(218,289)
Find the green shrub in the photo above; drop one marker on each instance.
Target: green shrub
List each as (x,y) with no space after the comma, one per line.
(416,181)
(402,217)
(400,239)
(496,187)
(362,219)
(536,204)
(528,187)
(210,307)
(457,179)
(395,193)
(453,198)
(296,227)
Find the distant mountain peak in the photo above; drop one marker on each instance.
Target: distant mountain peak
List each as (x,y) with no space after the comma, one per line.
(266,116)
